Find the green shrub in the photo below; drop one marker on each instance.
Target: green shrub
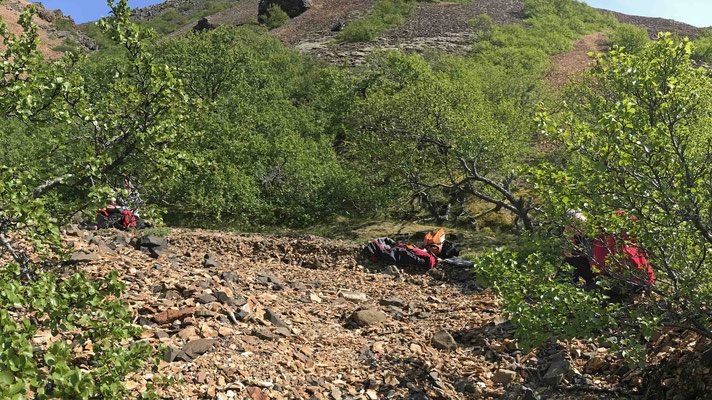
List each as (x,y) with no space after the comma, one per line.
(64,24)
(66,334)
(275,17)
(67,45)
(702,51)
(630,37)
(637,134)
(550,28)
(541,306)
(385,14)
(161,231)
(269,134)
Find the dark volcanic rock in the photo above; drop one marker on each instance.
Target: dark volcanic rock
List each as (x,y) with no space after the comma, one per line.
(172,353)
(151,241)
(556,372)
(203,25)
(274,319)
(206,298)
(291,7)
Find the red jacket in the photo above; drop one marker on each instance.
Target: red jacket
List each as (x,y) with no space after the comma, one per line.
(606,245)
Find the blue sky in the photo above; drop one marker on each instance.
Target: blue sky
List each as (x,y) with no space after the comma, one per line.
(693,12)
(89,10)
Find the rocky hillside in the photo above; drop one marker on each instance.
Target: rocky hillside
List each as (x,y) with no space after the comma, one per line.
(57,32)
(440,25)
(299,317)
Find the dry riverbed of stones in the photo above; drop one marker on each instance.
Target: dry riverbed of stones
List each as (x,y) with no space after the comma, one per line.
(235,316)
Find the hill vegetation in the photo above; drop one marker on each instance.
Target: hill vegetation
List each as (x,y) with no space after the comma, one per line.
(230,127)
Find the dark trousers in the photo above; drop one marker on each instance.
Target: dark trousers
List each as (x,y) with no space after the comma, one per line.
(582,269)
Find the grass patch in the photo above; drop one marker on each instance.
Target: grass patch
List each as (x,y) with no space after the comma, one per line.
(385,14)
(64,24)
(66,46)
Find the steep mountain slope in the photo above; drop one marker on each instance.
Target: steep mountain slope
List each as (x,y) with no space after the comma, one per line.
(57,31)
(440,25)
(655,25)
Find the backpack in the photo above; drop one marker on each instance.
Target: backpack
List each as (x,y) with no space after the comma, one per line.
(116,217)
(433,241)
(389,251)
(449,250)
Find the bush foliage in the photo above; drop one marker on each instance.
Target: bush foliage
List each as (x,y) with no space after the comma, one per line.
(636,137)
(87,353)
(275,17)
(230,126)
(629,37)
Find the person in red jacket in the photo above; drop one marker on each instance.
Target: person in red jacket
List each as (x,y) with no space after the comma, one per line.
(614,253)
(606,254)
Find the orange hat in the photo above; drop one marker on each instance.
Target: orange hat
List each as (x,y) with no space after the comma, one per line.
(434,241)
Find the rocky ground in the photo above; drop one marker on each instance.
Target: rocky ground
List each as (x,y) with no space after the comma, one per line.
(49,35)
(439,25)
(297,317)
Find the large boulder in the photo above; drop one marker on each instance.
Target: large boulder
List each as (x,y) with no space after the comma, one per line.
(368,317)
(203,25)
(291,7)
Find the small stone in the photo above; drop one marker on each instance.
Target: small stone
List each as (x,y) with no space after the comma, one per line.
(314,298)
(256,393)
(225,331)
(169,316)
(391,301)
(197,347)
(283,331)
(187,333)
(443,340)
(356,297)
(210,263)
(83,257)
(274,319)
(368,317)
(224,298)
(230,277)
(264,334)
(464,385)
(504,377)
(208,332)
(171,354)
(556,372)
(206,298)
(153,241)
(266,278)
(391,270)
(595,364)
